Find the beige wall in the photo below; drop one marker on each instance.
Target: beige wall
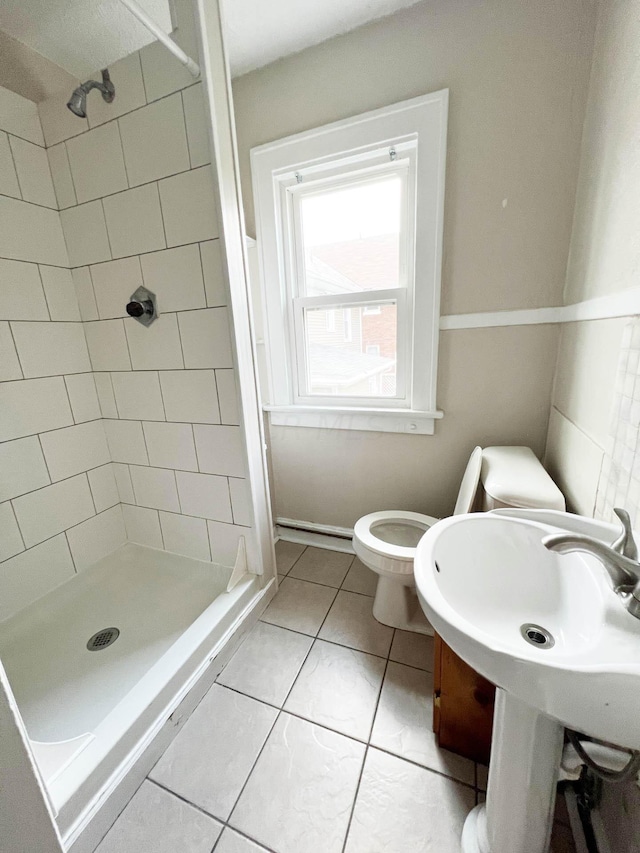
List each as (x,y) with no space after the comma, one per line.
(588,421)
(518,80)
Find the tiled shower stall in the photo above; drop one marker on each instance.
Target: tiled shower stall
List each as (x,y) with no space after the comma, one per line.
(111,431)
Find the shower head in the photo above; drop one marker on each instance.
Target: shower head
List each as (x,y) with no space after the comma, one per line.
(77,103)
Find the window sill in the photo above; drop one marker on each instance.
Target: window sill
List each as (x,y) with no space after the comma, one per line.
(370,420)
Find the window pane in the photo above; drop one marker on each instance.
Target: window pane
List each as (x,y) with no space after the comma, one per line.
(351,237)
(351,351)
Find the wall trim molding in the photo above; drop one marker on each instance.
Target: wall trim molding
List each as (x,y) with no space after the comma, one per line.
(623,304)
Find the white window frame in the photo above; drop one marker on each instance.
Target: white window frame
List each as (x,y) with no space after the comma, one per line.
(411,135)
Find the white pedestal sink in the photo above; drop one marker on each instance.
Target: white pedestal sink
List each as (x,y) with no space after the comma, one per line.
(550,633)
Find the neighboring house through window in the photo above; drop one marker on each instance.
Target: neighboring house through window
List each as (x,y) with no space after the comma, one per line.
(349,220)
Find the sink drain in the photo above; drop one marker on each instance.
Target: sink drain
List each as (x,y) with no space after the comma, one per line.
(537,636)
(103,639)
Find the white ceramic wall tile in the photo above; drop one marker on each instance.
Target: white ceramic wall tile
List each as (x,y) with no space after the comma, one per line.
(123,482)
(94,539)
(163,74)
(338,688)
(351,623)
(83,397)
(60,293)
(34,175)
(196,120)
(403,723)
(412,649)
(205,338)
(74,449)
(107,345)
(220,450)
(155,488)
(138,395)
(175,276)
(188,207)
(33,406)
(104,489)
(22,467)
(228,396)
(267,663)
(9,364)
(142,526)
(8,176)
(303,770)
(57,121)
(61,176)
(10,538)
(190,395)
(134,221)
(113,283)
(126,76)
(240,501)
(204,495)
(360,579)
(31,233)
(154,140)
(85,233)
(403,807)
(84,293)
(20,116)
(155,347)
(21,293)
(97,164)
(191,765)
(214,283)
(51,349)
(126,442)
(322,566)
(170,445)
(300,606)
(185,535)
(53,509)
(34,573)
(154,820)
(106,398)
(224,540)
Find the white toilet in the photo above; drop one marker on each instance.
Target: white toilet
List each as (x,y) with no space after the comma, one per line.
(386,541)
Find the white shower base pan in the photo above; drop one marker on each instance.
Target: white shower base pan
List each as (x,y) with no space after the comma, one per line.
(85,711)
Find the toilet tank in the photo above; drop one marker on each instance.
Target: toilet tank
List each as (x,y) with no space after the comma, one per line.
(514,477)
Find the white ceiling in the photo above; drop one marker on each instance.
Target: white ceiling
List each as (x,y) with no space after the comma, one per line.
(260,32)
(80,35)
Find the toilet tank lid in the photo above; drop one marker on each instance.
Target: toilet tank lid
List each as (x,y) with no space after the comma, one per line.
(514,476)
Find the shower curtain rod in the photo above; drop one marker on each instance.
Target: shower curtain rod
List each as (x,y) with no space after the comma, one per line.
(160,34)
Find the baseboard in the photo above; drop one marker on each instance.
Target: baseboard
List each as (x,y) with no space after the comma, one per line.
(318,535)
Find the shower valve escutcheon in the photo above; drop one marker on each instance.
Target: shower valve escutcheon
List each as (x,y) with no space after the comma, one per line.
(142,306)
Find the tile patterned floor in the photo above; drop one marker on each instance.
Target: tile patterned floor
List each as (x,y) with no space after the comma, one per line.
(316,738)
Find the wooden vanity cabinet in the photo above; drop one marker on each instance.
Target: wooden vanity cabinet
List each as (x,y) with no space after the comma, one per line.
(462,705)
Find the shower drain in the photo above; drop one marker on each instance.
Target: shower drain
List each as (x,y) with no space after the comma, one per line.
(537,636)
(102,639)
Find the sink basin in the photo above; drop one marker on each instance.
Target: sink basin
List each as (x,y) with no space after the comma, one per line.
(482,577)
(548,630)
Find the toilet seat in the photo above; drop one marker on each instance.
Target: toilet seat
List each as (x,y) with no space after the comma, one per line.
(389,557)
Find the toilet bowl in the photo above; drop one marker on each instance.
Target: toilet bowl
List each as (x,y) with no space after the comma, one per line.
(386,541)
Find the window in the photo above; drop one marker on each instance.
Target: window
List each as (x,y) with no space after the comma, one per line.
(349,221)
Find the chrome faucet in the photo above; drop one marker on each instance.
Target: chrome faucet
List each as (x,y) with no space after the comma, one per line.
(620,559)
